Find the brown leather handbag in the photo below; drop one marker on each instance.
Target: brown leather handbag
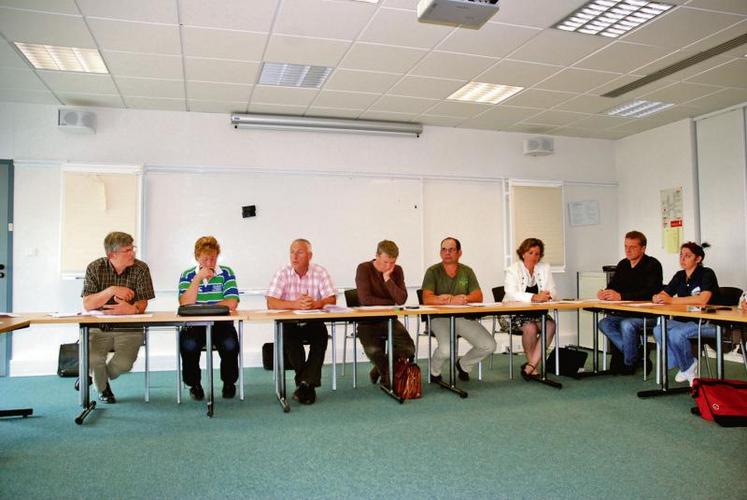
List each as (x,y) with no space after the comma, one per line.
(407,380)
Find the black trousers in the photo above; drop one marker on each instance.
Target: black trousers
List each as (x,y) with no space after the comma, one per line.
(225,341)
(295,335)
(373,338)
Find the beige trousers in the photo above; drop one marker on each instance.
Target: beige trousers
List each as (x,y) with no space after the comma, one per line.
(124,343)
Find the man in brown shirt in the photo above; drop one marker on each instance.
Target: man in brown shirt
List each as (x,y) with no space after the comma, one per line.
(116,284)
(381,282)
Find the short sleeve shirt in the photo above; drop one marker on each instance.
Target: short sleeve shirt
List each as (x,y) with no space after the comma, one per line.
(703,279)
(100,274)
(439,282)
(288,285)
(220,287)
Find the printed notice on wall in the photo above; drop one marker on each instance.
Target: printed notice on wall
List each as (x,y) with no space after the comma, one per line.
(583,213)
(671,219)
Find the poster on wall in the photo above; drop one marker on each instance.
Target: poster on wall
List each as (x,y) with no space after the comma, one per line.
(584,213)
(671,219)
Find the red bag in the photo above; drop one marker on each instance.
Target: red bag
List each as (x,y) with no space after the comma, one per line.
(723,401)
(407,383)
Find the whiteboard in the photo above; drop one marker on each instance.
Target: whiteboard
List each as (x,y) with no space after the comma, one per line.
(343,217)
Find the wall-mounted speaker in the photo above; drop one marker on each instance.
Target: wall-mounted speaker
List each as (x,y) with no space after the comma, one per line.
(76,121)
(539,146)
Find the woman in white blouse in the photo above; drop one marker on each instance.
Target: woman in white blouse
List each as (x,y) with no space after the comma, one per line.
(529,280)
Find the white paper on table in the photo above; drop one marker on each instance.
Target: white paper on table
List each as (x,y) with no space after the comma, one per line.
(8,315)
(642,304)
(308,311)
(377,308)
(336,308)
(75,314)
(484,304)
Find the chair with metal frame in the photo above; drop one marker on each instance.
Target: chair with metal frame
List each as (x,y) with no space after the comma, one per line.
(727,296)
(351,299)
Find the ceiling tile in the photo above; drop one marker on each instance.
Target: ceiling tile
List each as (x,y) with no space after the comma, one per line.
(155,103)
(626,79)
(459,109)
(381,58)
(154,11)
(599,122)
(333,112)
(403,104)
(398,27)
(56,6)
(103,100)
(389,116)
(400,4)
(721,37)
(440,121)
(223,44)
(454,66)
(533,98)
(150,87)
(277,109)
(216,106)
(338,20)
(591,104)
(553,117)
(63,81)
(731,74)
(719,100)
(210,91)
(361,81)
(256,15)
(221,70)
(733,6)
(542,13)
(20,78)
(9,58)
(300,50)
(499,118)
(431,88)
(492,40)
(684,73)
(681,92)
(622,57)
(144,65)
(590,134)
(559,47)
(50,29)
(136,37)
(283,95)
(680,27)
(352,100)
(576,80)
(30,96)
(529,128)
(517,73)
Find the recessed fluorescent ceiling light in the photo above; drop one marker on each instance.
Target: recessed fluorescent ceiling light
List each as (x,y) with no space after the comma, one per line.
(484,92)
(293,75)
(639,108)
(612,18)
(62,58)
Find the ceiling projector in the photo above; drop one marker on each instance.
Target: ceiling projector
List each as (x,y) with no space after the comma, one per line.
(465,13)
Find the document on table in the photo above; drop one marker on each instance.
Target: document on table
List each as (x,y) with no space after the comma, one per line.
(8,315)
(642,304)
(484,304)
(377,308)
(308,311)
(75,314)
(334,308)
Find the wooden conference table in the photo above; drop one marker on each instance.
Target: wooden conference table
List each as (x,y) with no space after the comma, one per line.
(9,325)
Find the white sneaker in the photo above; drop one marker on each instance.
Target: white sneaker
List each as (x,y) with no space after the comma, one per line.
(680,377)
(692,372)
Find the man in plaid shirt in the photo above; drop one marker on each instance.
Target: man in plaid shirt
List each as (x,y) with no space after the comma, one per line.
(115,284)
(303,285)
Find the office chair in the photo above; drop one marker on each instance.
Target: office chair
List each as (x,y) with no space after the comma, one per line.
(727,296)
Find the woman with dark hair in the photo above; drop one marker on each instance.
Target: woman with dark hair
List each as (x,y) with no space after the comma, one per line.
(529,280)
(694,285)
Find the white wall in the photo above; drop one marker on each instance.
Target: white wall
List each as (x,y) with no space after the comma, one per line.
(477,159)
(646,163)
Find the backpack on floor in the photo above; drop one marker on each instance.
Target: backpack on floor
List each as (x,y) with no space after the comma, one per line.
(723,401)
(407,383)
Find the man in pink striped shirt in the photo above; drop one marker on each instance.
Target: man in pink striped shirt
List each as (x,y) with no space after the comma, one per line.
(303,285)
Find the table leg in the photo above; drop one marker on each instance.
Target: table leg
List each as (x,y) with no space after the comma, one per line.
(390,350)
(543,348)
(209,345)
(719,354)
(334,357)
(556,315)
(178,367)
(85,389)
(355,356)
(147,366)
(241,360)
(664,390)
(280,367)
(595,372)
(451,384)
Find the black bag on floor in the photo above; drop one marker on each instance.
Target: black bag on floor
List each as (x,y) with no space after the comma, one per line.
(267,357)
(67,362)
(572,360)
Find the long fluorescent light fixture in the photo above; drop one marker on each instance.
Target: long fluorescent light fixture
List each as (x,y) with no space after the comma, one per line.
(293,75)
(285,122)
(57,58)
(612,18)
(639,108)
(491,93)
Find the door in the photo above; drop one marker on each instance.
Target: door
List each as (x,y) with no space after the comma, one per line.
(6,255)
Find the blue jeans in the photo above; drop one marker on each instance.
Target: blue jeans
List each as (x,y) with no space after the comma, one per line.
(624,333)
(679,333)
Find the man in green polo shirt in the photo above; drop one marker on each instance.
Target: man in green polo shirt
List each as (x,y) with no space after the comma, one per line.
(450,282)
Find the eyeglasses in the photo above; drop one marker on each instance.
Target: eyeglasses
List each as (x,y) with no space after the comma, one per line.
(449,250)
(131,249)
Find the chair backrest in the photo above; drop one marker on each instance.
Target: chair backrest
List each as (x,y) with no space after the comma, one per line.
(728,296)
(351,298)
(419,291)
(498,293)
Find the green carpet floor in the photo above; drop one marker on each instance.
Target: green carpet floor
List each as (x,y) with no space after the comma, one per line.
(509,439)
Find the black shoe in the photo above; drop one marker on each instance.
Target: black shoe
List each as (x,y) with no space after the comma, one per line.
(196,392)
(527,376)
(435,379)
(374,375)
(626,370)
(649,365)
(229,391)
(617,360)
(305,394)
(77,382)
(463,376)
(108,396)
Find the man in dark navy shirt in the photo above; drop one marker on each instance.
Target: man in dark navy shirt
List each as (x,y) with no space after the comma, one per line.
(637,277)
